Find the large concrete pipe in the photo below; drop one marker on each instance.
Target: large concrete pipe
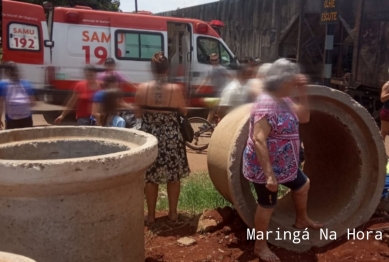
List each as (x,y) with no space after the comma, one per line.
(8,257)
(74,193)
(345,161)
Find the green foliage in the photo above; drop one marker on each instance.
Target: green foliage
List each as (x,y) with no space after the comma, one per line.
(109,5)
(197,194)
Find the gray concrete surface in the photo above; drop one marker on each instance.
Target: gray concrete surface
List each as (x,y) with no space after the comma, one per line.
(64,201)
(8,257)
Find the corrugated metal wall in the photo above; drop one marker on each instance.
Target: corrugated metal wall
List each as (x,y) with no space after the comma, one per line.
(252,27)
(268,29)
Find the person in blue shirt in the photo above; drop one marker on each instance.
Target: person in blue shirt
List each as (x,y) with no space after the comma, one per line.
(17,96)
(110,108)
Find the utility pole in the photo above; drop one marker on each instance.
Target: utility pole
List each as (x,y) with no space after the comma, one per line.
(330,18)
(329,48)
(357,40)
(136,6)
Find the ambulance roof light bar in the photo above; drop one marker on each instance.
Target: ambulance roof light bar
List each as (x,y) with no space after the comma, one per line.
(216,23)
(202,28)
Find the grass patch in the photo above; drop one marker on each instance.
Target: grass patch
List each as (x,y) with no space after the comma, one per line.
(197,194)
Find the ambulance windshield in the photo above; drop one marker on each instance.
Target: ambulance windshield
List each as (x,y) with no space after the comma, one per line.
(207,46)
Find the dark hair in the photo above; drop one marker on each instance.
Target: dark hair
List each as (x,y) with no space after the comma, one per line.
(109,106)
(249,59)
(243,69)
(109,61)
(12,70)
(159,63)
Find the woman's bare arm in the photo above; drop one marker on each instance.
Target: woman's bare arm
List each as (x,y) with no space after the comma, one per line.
(69,107)
(181,105)
(96,110)
(124,105)
(302,109)
(72,102)
(262,130)
(385,93)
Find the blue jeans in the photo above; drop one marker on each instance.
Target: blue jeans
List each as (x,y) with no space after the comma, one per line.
(84,121)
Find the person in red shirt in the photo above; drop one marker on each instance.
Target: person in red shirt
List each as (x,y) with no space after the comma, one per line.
(82,98)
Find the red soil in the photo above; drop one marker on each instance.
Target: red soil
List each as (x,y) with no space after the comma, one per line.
(227,242)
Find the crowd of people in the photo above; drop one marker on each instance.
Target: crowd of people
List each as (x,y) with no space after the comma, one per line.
(273,152)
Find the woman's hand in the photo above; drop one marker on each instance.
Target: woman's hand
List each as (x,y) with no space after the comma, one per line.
(301,82)
(271,183)
(58,120)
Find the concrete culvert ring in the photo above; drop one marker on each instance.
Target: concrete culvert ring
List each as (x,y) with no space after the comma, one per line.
(74,193)
(345,161)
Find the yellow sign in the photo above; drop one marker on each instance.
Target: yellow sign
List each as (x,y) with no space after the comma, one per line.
(329,14)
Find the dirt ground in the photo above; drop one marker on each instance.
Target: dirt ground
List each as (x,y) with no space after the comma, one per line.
(197,160)
(227,242)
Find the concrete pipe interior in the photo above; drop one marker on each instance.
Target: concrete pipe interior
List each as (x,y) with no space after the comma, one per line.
(60,148)
(345,161)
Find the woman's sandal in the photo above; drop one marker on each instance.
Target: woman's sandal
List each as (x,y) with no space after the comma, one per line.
(269,258)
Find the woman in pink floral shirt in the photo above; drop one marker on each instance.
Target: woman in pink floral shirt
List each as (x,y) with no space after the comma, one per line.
(271,156)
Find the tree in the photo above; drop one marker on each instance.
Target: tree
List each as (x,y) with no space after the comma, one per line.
(109,5)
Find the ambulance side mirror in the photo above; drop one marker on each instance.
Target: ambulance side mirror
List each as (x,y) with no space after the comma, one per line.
(49,43)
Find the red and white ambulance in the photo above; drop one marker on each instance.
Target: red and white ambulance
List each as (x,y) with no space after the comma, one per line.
(52,45)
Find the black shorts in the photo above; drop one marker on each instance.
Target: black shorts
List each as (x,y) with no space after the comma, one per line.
(19,123)
(268,199)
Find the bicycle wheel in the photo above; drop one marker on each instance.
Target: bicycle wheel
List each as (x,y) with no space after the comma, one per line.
(202,133)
